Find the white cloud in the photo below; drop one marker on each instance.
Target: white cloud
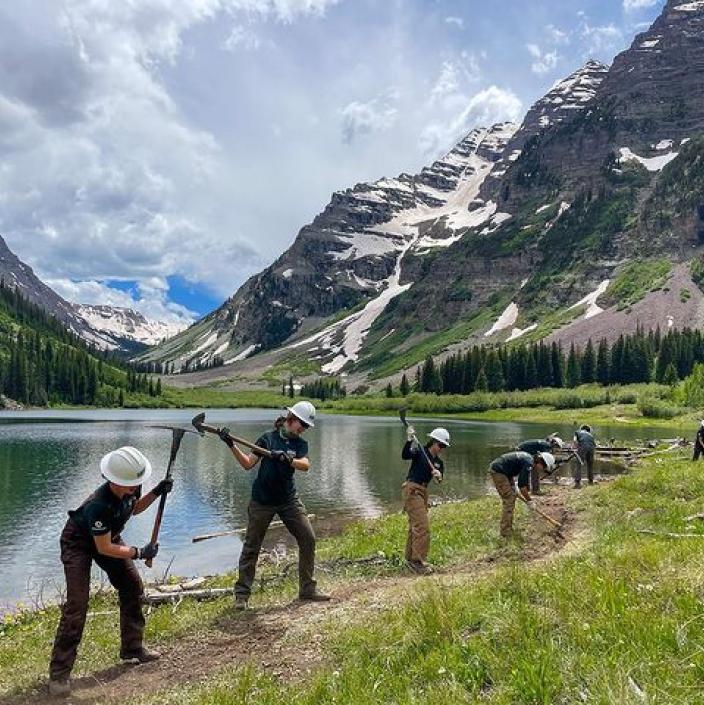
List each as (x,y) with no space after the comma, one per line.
(557,35)
(456,21)
(543,62)
(102,176)
(489,106)
(601,39)
(151,298)
(242,37)
(361,119)
(632,5)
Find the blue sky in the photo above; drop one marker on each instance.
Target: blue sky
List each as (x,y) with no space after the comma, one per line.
(157,154)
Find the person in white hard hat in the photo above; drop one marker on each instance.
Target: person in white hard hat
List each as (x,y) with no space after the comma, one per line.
(274,493)
(699,442)
(426,465)
(515,468)
(92,533)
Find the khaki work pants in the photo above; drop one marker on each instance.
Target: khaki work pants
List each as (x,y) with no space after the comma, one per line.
(415,504)
(77,554)
(504,487)
(293,515)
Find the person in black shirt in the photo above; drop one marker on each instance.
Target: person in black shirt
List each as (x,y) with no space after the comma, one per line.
(92,533)
(699,442)
(508,468)
(274,492)
(585,447)
(426,465)
(538,445)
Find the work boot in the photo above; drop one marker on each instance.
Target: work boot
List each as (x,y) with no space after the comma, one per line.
(59,688)
(419,568)
(142,655)
(577,486)
(315,596)
(241,603)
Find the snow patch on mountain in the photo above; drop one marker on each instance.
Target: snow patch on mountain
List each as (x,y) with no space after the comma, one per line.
(652,164)
(111,322)
(505,320)
(590,300)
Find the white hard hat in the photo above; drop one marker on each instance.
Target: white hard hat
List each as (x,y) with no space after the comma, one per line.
(441,435)
(548,459)
(556,440)
(303,411)
(702,423)
(126,466)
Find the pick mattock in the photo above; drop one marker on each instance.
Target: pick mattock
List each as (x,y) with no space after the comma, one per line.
(402,416)
(200,426)
(177,434)
(545,516)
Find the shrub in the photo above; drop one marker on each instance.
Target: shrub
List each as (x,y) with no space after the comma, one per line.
(657,409)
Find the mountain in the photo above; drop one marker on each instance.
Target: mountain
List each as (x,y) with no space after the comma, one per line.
(125,324)
(108,328)
(587,220)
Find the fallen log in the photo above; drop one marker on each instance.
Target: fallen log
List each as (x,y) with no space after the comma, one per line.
(159,598)
(669,535)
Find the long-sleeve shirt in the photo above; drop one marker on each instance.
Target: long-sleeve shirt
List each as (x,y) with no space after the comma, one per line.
(420,471)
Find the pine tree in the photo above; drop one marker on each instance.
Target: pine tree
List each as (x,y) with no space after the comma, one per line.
(291,390)
(572,376)
(404,387)
(481,385)
(670,376)
(588,371)
(493,371)
(602,362)
(558,366)
(389,391)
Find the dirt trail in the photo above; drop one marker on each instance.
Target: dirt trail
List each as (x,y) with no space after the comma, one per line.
(286,641)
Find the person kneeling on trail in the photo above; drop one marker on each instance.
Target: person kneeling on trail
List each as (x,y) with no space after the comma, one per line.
(274,492)
(505,469)
(426,465)
(585,446)
(538,445)
(92,533)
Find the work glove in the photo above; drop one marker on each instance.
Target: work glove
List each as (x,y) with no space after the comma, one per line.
(146,552)
(437,475)
(410,433)
(281,456)
(163,487)
(225,436)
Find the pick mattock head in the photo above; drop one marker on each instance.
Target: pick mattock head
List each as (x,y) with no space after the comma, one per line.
(197,422)
(181,429)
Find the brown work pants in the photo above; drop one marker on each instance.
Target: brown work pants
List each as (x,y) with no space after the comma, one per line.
(77,554)
(506,491)
(293,515)
(415,504)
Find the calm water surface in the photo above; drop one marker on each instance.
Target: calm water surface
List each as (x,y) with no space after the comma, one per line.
(49,464)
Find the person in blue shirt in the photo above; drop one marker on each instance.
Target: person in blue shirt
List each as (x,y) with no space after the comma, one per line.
(585,446)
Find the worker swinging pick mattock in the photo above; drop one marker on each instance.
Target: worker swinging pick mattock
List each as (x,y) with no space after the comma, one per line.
(699,442)
(92,533)
(509,467)
(426,465)
(538,445)
(274,492)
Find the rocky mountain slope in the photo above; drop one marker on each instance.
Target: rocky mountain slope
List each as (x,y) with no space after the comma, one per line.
(518,232)
(106,327)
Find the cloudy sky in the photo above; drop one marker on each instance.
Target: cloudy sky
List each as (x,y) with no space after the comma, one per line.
(156,153)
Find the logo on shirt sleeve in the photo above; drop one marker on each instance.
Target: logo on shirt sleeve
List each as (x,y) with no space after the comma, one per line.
(98,525)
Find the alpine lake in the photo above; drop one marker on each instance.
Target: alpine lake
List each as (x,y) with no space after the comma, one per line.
(49,464)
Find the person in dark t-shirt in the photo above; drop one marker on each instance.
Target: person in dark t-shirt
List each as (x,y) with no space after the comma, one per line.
(515,468)
(92,533)
(274,492)
(538,445)
(426,465)
(699,442)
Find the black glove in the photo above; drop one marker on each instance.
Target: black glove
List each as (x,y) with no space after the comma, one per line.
(163,487)
(225,436)
(146,552)
(281,456)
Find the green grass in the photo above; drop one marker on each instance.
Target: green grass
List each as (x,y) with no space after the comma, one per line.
(616,618)
(638,279)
